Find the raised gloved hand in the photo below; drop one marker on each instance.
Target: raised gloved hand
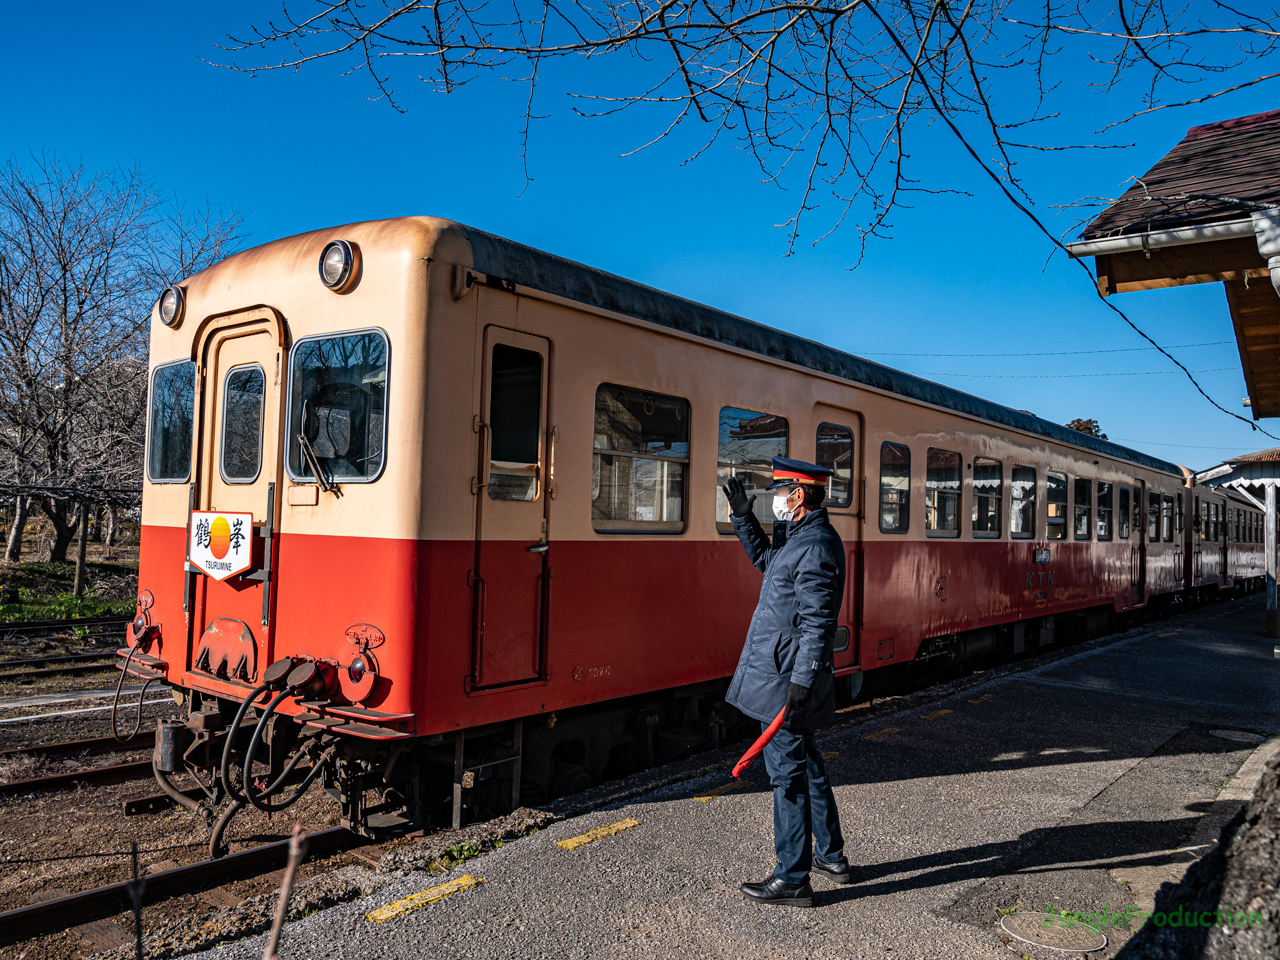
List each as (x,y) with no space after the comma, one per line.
(797,696)
(735,491)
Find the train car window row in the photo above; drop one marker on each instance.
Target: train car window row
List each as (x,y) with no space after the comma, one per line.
(746,444)
(988,494)
(170,422)
(1083,527)
(1056,507)
(242,398)
(1105,499)
(337,407)
(640,456)
(834,448)
(942,493)
(1022,500)
(895,488)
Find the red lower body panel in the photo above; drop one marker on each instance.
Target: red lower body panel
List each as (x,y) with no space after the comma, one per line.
(623,617)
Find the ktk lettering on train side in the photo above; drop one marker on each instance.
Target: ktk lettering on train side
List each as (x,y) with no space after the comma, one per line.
(220,544)
(1039,581)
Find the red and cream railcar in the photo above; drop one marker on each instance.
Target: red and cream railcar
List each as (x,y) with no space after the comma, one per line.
(463,498)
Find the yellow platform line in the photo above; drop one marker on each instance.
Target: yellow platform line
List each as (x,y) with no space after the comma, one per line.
(733,786)
(886,732)
(831,755)
(415,901)
(984,698)
(936,715)
(599,833)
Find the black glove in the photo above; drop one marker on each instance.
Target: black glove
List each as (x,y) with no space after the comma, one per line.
(797,696)
(735,491)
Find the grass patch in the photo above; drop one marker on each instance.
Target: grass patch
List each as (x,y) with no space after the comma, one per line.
(45,591)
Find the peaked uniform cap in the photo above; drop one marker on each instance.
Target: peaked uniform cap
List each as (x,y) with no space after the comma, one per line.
(787,472)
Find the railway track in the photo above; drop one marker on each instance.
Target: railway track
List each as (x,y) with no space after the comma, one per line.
(55,666)
(49,916)
(33,628)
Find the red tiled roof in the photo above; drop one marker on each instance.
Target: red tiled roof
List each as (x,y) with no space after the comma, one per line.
(1235,159)
(1262,456)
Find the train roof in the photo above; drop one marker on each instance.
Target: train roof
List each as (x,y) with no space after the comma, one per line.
(502,259)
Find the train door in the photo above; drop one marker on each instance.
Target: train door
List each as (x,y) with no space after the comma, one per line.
(512,563)
(1138,549)
(838,447)
(234,502)
(1198,533)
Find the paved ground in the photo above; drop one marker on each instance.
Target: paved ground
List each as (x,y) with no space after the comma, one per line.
(1048,787)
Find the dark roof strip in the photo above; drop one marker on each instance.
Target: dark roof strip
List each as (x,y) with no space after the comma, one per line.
(502,259)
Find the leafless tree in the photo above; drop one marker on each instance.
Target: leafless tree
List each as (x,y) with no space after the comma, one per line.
(82,258)
(829,98)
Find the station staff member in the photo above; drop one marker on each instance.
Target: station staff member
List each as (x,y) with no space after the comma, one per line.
(787,660)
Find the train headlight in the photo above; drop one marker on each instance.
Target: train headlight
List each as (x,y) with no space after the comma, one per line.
(338,265)
(172,304)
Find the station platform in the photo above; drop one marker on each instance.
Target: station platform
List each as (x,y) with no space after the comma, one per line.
(1078,784)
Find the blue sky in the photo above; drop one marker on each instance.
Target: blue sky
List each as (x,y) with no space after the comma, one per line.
(124,84)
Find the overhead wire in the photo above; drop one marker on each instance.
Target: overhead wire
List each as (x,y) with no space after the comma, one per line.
(1003,187)
(1050,353)
(1059,376)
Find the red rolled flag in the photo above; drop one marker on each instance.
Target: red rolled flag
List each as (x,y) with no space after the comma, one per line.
(757,748)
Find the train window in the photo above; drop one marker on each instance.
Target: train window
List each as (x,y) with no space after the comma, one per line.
(338,402)
(1105,496)
(835,452)
(1153,517)
(169,422)
(1056,507)
(895,488)
(1166,519)
(242,424)
(1022,508)
(1123,517)
(515,423)
(1083,526)
(942,493)
(1236,524)
(1200,519)
(1213,522)
(746,445)
(1177,516)
(988,492)
(638,467)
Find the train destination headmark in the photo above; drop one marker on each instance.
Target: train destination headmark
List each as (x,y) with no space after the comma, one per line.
(220,544)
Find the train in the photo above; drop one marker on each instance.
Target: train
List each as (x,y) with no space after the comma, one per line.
(440,514)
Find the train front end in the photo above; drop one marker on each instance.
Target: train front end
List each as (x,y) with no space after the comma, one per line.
(279,559)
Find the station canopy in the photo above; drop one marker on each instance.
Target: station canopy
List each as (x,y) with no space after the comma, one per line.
(1198,216)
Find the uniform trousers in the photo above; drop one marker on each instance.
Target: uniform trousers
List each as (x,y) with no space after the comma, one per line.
(803,805)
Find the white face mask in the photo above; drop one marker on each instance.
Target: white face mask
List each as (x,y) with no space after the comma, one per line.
(780,506)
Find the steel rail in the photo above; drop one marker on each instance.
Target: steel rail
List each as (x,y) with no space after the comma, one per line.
(116,773)
(28,626)
(88,748)
(26,923)
(35,673)
(74,657)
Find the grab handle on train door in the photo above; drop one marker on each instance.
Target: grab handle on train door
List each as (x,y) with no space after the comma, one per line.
(551,462)
(477,584)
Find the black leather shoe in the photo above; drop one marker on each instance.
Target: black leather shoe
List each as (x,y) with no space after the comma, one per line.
(839,872)
(777,891)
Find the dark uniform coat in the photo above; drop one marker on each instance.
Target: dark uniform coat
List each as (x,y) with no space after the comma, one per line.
(790,637)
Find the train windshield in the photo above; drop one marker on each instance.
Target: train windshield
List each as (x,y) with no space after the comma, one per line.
(169,422)
(338,401)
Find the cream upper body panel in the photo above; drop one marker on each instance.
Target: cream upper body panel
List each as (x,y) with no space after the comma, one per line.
(390,295)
